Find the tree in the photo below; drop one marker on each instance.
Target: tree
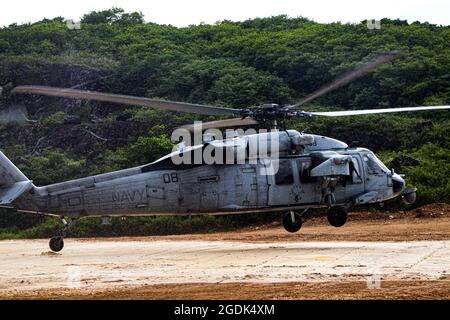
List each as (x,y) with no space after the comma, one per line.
(113,16)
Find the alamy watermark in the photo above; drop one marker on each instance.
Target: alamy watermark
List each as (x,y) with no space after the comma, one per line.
(373,24)
(73,25)
(236,147)
(374,279)
(73,277)
(374,273)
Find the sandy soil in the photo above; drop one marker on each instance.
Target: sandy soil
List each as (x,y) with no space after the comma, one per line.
(327,290)
(404,256)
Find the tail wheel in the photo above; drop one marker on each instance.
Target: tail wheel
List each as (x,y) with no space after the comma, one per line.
(56,243)
(292,222)
(337,216)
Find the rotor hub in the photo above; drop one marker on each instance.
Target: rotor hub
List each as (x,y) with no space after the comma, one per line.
(270,112)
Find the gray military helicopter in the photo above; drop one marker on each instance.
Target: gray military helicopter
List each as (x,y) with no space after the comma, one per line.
(305,171)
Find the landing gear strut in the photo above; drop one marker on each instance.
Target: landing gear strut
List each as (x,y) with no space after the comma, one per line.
(292,221)
(337,216)
(57,242)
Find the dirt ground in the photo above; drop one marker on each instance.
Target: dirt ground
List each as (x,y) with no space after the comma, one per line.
(430,222)
(401,255)
(336,290)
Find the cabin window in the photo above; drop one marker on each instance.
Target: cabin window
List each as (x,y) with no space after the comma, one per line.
(355,171)
(284,174)
(304,167)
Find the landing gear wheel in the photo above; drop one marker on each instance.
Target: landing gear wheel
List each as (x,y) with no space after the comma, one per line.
(337,216)
(292,222)
(56,243)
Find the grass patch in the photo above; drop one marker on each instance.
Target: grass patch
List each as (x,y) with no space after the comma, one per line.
(139,226)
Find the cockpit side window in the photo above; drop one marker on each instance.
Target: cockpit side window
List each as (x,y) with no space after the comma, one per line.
(374,166)
(284,174)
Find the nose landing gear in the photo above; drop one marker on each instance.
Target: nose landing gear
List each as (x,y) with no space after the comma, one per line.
(337,216)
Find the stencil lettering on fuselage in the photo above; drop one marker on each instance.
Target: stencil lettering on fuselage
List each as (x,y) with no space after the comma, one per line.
(128,196)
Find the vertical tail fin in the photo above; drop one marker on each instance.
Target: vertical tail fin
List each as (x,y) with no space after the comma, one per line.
(13,182)
(9,174)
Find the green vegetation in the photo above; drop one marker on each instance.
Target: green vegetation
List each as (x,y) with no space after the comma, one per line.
(25,225)
(235,64)
(431,177)
(54,119)
(144,150)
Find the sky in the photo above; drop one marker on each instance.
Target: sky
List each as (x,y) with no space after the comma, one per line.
(184,12)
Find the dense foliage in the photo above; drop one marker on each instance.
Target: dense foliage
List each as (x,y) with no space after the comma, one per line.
(238,64)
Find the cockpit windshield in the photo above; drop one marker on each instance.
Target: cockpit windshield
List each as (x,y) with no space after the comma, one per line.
(374,165)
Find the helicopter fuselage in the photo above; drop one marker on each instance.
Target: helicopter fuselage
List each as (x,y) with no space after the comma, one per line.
(321,172)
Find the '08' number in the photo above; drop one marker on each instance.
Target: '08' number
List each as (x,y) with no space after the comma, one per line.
(172,177)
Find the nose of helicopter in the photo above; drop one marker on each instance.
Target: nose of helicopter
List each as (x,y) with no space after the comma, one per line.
(398,184)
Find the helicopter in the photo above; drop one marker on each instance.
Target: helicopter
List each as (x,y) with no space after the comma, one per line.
(295,173)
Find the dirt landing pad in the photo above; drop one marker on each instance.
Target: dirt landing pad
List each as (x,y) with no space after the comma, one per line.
(27,268)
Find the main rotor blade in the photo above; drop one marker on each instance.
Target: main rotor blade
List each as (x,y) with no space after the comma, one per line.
(236,122)
(125,99)
(372,111)
(356,73)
